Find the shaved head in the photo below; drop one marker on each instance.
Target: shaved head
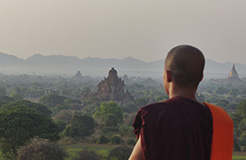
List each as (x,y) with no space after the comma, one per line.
(186,64)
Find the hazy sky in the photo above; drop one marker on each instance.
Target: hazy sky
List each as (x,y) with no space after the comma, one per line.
(144,29)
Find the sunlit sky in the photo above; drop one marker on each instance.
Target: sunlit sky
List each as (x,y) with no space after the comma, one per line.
(143,29)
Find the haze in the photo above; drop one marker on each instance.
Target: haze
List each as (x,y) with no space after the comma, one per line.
(144,29)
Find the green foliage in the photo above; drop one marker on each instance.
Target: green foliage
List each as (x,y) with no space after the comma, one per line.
(242,108)
(221,90)
(233,92)
(87,155)
(3,91)
(102,140)
(16,96)
(70,101)
(222,102)
(80,126)
(126,131)
(59,108)
(19,123)
(109,130)
(116,140)
(65,115)
(140,102)
(25,103)
(129,108)
(131,141)
(41,149)
(52,100)
(5,100)
(61,125)
(109,113)
(90,103)
(120,153)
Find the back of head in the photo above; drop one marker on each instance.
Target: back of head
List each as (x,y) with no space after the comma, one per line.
(186,64)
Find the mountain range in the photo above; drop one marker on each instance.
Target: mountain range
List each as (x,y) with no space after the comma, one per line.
(69,65)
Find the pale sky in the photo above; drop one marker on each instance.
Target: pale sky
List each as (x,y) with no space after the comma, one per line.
(144,29)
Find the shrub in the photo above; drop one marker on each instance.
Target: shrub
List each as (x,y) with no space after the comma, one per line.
(120,153)
(87,155)
(102,140)
(130,142)
(116,140)
(41,149)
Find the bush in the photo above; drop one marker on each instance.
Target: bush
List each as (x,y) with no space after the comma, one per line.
(120,153)
(80,126)
(87,155)
(109,130)
(131,142)
(116,140)
(102,140)
(60,124)
(41,149)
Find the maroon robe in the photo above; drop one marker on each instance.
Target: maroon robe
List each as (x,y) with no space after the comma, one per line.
(176,129)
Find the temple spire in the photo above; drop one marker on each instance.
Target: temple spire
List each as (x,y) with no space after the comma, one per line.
(233,73)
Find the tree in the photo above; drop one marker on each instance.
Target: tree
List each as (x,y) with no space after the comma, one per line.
(120,153)
(109,113)
(140,102)
(65,115)
(60,124)
(242,108)
(5,100)
(52,100)
(233,92)
(25,103)
(19,123)
(221,90)
(80,126)
(41,149)
(222,103)
(16,96)
(2,91)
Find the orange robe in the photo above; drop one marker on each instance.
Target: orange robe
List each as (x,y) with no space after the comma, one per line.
(222,139)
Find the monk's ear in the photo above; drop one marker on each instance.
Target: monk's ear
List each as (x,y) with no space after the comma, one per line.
(201,78)
(169,76)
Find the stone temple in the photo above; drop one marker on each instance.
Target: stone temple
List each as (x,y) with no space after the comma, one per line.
(112,88)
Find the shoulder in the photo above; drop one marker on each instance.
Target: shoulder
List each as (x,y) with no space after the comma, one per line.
(156,108)
(160,108)
(218,113)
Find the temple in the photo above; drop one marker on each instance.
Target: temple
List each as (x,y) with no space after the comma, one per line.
(233,75)
(112,88)
(78,75)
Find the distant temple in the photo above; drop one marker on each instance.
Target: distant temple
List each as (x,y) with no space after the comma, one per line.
(78,75)
(112,88)
(233,75)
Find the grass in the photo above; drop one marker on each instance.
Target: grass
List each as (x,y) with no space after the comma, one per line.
(101,149)
(239,156)
(104,149)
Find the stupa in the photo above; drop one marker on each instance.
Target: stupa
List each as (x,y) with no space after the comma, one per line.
(233,75)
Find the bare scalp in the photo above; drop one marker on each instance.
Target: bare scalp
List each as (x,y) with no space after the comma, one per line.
(186,64)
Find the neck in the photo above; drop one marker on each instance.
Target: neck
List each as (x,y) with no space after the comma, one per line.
(185,92)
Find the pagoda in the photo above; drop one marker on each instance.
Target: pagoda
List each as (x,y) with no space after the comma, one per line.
(233,75)
(112,88)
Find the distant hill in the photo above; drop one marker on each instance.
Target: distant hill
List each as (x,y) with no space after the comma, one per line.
(69,65)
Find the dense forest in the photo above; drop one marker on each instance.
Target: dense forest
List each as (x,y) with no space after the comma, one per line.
(38,112)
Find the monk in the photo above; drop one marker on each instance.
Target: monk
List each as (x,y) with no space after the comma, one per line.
(182,128)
